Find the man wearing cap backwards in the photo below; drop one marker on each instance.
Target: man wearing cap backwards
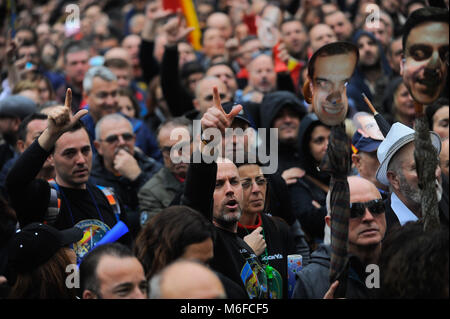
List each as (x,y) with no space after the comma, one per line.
(398,171)
(81,203)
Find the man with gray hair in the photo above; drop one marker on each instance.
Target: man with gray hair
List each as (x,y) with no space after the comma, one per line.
(121,166)
(398,171)
(101,93)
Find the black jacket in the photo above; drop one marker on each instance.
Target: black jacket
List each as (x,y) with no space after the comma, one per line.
(125,189)
(304,191)
(232,256)
(313,280)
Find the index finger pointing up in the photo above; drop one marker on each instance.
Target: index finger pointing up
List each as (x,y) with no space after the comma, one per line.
(68,100)
(216,97)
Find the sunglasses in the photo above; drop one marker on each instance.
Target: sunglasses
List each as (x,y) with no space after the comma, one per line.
(111,139)
(260,181)
(375,207)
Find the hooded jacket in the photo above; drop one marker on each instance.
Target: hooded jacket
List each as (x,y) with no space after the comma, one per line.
(272,104)
(313,280)
(304,191)
(357,84)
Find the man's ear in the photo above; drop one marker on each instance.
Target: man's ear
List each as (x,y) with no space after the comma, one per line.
(97,147)
(20,146)
(87,294)
(308,90)
(393,180)
(196,104)
(356,159)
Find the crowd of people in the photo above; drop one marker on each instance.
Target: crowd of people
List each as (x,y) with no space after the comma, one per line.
(104,114)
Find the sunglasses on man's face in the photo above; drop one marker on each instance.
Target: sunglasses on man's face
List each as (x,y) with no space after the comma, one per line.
(111,139)
(376,207)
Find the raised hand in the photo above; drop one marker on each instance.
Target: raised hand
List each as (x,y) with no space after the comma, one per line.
(60,120)
(175,31)
(215,116)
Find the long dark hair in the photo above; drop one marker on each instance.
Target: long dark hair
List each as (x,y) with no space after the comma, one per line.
(48,281)
(165,237)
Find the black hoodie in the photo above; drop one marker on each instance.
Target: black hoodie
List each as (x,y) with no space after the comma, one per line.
(304,191)
(272,104)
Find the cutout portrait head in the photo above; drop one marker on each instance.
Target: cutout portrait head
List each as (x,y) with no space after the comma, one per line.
(329,70)
(425,49)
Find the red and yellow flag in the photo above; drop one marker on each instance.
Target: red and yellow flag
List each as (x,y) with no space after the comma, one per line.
(188,9)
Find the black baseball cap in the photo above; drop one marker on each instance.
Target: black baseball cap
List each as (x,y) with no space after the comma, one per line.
(36,243)
(228,106)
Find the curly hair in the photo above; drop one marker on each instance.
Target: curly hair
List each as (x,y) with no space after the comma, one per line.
(167,235)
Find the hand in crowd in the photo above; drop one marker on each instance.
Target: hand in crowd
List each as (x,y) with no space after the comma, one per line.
(283,53)
(60,120)
(215,116)
(175,31)
(330,293)
(256,241)
(126,164)
(292,174)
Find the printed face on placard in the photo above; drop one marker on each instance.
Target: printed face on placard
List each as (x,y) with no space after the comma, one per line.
(329,87)
(425,65)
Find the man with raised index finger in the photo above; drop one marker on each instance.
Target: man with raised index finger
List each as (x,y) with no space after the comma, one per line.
(81,203)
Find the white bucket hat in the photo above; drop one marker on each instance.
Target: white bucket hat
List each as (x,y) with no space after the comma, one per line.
(399,135)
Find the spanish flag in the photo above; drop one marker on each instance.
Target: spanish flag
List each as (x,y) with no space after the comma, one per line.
(188,9)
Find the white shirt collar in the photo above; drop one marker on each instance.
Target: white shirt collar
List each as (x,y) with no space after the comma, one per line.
(403,213)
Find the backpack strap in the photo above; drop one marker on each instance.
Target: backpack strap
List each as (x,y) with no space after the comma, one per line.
(109,194)
(54,204)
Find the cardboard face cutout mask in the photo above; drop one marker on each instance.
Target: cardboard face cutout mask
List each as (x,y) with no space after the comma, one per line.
(328,87)
(424,68)
(367,126)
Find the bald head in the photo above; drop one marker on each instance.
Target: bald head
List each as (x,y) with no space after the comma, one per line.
(117,53)
(187,280)
(222,22)
(361,187)
(321,34)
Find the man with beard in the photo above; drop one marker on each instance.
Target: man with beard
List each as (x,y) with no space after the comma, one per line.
(372,73)
(215,190)
(398,171)
(121,166)
(426,53)
(159,191)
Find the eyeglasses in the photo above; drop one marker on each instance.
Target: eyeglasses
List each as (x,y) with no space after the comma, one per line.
(259,180)
(111,139)
(376,207)
(211,97)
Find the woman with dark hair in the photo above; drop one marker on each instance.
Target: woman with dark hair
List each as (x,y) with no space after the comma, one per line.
(437,115)
(309,193)
(176,232)
(398,103)
(277,241)
(128,104)
(38,257)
